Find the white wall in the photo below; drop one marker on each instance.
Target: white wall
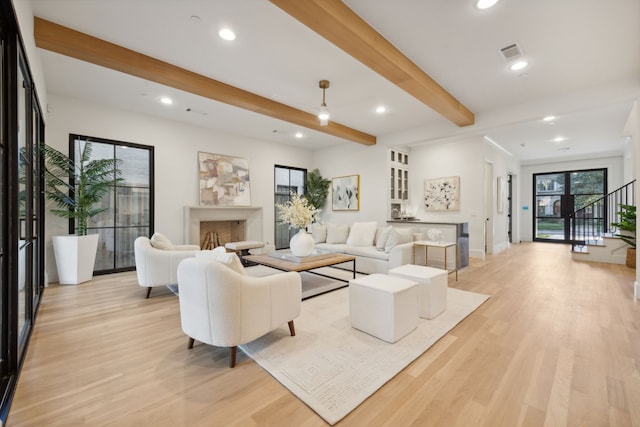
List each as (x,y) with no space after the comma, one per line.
(615,175)
(176,160)
(464,157)
(370,164)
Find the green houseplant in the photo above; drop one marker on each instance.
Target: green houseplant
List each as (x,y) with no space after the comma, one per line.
(317,189)
(627,231)
(76,187)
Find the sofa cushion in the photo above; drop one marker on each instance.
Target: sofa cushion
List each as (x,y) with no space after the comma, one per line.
(367,251)
(319,233)
(381,237)
(332,247)
(337,233)
(396,237)
(220,254)
(362,234)
(160,241)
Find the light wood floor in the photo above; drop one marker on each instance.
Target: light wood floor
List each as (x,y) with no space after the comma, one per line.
(557,344)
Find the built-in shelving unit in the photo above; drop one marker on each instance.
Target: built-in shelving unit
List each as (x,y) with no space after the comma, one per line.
(398,167)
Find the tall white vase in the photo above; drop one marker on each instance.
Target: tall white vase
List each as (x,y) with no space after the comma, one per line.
(301,243)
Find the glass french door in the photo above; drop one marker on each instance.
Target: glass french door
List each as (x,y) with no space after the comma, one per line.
(558,195)
(129,206)
(287,180)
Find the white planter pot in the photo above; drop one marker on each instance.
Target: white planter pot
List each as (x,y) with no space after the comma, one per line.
(75,257)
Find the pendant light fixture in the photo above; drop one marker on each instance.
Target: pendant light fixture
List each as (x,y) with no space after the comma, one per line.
(323,115)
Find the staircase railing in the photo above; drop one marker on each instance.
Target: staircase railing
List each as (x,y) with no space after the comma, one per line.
(593,221)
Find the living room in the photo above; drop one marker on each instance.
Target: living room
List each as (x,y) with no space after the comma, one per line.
(434,152)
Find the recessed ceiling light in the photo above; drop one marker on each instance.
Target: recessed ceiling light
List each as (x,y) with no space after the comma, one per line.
(166,100)
(195,19)
(549,118)
(227,34)
(381,109)
(519,65)
(485,4)
(559,139)
(299,135)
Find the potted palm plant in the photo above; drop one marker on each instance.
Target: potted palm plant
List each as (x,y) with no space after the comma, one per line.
(317,189)
(76,188)
(627,231)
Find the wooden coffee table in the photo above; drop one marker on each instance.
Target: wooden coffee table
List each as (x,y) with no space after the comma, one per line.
(285,265)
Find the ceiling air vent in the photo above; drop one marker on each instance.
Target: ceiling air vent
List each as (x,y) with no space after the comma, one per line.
(510,52)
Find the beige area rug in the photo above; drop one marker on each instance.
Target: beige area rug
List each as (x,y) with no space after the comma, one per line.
(332,367)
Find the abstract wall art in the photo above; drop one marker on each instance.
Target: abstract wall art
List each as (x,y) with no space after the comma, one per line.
(345,193)
(442,194)
(223,180)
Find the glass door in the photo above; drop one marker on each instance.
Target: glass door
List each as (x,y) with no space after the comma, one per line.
(129,207)
(288,181)
(558,195)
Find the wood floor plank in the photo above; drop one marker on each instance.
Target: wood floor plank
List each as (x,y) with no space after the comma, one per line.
(557,344)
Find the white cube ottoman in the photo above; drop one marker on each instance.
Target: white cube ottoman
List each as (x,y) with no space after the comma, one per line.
(432,288)
(383,306)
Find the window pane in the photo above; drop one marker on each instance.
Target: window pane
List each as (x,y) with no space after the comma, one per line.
(106,249)
(133,206)
(587,182)
(125,238)
(23,172)
(134,165)
(550,184)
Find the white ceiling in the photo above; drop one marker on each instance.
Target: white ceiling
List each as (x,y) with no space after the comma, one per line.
(584,68)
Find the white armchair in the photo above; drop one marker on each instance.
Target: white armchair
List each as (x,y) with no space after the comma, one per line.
(158,267)
(224,308)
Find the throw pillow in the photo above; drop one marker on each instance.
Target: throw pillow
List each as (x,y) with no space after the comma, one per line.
(160,241)
(397,236)
(220,254)
(319,232)
(381,237)
(362,234)
(337,233)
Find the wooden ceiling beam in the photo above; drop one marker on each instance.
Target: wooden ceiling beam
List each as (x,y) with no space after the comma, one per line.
(336,22)
(72,43)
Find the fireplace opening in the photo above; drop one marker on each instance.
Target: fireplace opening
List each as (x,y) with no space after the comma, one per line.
(217,233)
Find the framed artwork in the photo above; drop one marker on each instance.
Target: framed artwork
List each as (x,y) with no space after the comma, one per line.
(223,180)
(345,193)
(442,194)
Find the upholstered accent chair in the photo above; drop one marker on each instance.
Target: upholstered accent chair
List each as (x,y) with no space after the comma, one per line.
(157,260)
(222,307)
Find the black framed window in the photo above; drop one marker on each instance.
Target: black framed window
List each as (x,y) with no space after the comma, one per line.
(129,206)
(287,180)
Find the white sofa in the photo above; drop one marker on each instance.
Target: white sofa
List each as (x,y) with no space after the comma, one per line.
(377,248)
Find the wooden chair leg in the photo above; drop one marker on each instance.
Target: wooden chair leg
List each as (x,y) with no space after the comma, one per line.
(148,291)
(191,341)
(232,356)
(292,328)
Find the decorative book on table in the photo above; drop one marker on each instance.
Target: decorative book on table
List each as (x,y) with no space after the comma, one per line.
(285,254)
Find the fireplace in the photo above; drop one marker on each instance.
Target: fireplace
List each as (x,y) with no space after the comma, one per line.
(243,223)
(217,233)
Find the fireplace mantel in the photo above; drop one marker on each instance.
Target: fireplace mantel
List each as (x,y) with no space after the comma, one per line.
(193,215)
